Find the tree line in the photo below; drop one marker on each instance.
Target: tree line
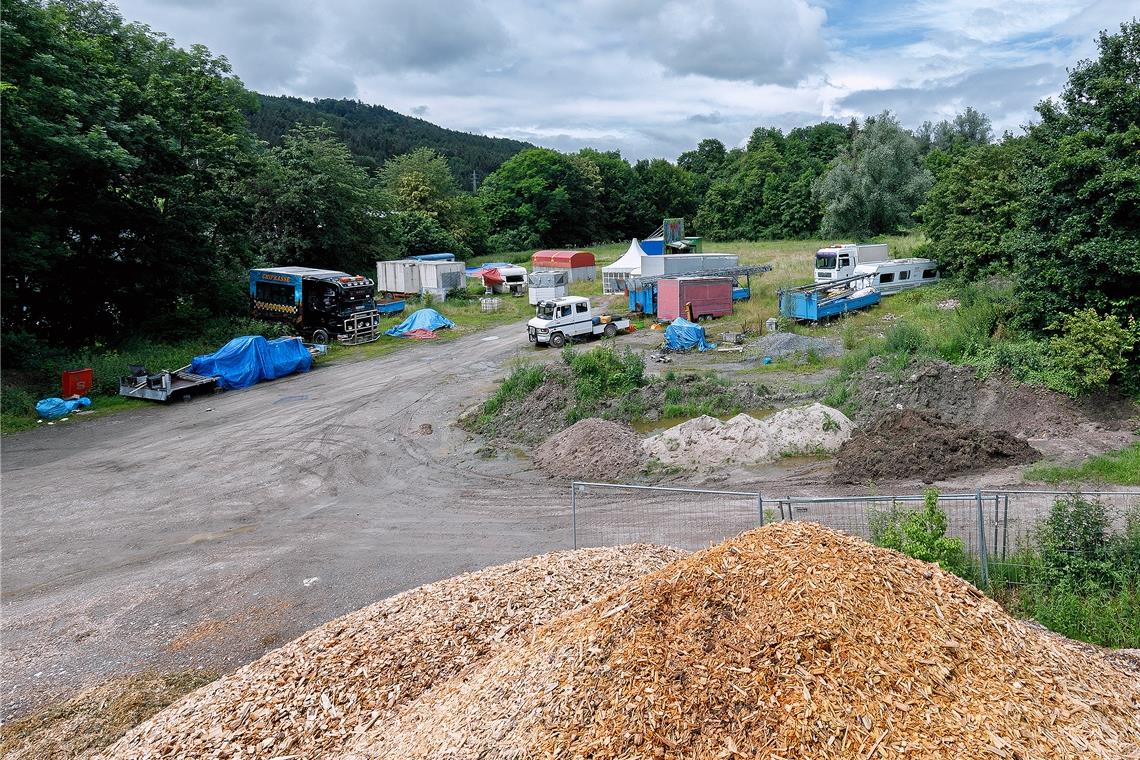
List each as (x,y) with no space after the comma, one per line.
(136,195)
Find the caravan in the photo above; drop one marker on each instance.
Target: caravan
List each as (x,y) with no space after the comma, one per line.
(897,274)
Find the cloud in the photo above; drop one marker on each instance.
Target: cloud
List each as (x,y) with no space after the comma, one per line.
(649,77)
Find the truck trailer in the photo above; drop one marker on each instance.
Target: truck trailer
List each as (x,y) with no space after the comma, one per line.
(321,304)
(694,297)
(838,262)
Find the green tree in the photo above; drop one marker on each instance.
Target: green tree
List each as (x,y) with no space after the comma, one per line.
(419,181)
(124,164)
(546,195)
(973,208)
(1078,240)
(666,191)
(619,196)
(316,207)
(875,185)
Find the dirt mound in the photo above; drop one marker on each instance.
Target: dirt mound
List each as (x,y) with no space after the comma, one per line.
(591,449)
(789,641)
(908,443)
(708,442)
(996,403)
(787,344)
(308,698)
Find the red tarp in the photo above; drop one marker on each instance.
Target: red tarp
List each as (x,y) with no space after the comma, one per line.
(492,277)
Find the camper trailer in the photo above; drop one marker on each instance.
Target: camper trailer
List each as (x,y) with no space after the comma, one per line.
(897,274)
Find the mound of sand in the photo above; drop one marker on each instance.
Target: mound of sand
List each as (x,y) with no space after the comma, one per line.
(909,443)
(591,449)
(789,641)
(311,697)
(706,441)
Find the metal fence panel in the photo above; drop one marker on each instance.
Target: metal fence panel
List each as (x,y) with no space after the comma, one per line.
(609,514)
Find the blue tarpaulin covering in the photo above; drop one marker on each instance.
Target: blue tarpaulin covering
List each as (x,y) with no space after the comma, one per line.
(434,257)
(251,358)
(681,334)
(474,271)
(50,408)
(421,319)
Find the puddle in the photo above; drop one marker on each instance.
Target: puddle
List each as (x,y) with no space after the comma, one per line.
(656,426)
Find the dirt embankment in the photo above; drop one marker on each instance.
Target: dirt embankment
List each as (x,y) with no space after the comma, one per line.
(913,444)
(996,403)
(591,449)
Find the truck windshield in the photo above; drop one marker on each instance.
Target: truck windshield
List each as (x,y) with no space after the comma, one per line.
(545,311)
(356,295)
(825,261)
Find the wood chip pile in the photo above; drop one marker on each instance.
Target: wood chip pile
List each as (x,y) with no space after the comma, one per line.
(315,695)
(790,641)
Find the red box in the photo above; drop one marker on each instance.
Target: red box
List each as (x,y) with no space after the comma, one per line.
(77,382)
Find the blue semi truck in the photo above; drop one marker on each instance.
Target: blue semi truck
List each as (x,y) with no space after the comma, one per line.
(321,304)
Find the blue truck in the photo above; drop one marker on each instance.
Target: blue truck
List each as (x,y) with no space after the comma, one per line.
(321,304)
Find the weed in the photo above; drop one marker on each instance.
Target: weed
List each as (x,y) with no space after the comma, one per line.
(1120,467)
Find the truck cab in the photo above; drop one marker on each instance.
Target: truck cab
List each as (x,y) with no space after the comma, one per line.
(321,304)
(559,320)
(837,262)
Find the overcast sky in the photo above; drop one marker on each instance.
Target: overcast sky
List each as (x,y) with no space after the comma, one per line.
(649,77)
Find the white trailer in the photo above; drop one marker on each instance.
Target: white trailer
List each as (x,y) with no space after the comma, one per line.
(837,262)
(439,278)
(889,277)
(401,277)
(564,319)
(514,280)
(547,286)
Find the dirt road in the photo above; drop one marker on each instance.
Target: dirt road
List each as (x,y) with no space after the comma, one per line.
(202,534)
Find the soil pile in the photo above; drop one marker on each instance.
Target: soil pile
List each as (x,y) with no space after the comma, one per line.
(790,641)
(311,697)
(591,449)
(908,443)
(997,403)
(708,442)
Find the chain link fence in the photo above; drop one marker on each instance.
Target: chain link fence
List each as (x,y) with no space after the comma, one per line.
(1012,540)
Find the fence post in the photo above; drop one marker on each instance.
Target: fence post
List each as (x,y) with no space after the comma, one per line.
(574,511)
(760,508)
(982,553)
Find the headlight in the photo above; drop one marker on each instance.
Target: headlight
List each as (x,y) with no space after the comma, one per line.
(543,330)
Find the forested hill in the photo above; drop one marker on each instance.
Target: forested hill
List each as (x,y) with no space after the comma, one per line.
(374,134)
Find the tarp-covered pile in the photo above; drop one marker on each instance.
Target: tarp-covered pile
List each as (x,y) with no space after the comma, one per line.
(421,323)
(681,335)
(250,359)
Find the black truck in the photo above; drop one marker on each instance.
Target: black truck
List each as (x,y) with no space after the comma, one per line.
(321,304)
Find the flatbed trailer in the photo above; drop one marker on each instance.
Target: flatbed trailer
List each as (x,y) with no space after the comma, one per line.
(165,385)
(819,301)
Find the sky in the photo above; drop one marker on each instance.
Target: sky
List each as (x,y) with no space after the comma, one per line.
(650,78)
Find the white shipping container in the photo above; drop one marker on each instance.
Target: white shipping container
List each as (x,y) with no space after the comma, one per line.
(401,276)
(686,263)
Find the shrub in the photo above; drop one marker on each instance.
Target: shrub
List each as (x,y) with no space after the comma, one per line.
(1089,350)
(905,338)
(920,534)
(1076,548)
(603,373)
(519,383)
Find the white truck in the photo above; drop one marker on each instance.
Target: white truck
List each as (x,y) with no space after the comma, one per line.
(837,262)
(562,319)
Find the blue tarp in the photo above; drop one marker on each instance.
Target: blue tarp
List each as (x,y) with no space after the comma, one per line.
(474,271)
(434,257)
(251,358)
(681,334)
(421,319)
(50,408)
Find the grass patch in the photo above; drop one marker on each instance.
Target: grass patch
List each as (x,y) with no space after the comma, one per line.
(519,383)
(1106,617)
(97,717)
(1118,467)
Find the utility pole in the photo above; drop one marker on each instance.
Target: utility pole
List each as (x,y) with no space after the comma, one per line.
(474,181)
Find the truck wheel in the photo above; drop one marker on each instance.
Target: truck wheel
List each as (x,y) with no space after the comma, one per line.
(610,330)
(558,340)
(320,336)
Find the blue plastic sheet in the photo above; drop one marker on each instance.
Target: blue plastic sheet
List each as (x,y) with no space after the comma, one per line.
(421,319)
(474,271)
(681,335)
(51,408)
(251,358)
(434,257)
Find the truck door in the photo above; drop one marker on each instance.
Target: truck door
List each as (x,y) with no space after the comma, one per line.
(844,266)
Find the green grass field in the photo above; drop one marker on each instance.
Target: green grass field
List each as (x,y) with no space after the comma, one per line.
(1116,467)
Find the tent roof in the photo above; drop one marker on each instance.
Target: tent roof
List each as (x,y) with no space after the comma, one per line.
(630,261)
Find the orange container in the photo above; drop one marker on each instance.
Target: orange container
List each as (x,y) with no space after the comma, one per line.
(77,382)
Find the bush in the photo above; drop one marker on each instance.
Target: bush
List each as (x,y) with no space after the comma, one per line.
(519,383)
(603,373)
(920,534)
(905,338)
(1078,552)
(1089,351)
(518,239)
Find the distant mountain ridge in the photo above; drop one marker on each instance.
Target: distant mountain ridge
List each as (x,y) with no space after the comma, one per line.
(374,134)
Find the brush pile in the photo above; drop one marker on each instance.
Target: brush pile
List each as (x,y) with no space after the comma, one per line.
(790,641)
(313,696)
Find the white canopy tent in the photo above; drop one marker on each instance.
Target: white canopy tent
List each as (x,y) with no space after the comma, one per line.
(615,274)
